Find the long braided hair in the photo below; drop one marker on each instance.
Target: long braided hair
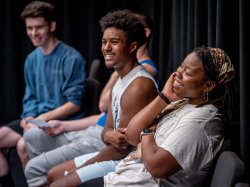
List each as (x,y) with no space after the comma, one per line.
(218,68)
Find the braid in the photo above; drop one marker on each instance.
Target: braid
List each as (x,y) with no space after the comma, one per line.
(227,103)
(218,68)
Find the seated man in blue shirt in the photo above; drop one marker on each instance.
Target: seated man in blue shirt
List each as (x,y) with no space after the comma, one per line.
(54,76)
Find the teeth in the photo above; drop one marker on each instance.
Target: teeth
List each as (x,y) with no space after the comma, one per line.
(35,39)
(108,56)
(176,83)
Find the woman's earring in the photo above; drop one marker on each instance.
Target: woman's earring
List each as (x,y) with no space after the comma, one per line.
(205,97)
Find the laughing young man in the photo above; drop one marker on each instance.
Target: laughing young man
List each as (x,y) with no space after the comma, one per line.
(123,34)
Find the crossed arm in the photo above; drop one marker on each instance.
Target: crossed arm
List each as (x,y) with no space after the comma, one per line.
(140,93)
(163,164)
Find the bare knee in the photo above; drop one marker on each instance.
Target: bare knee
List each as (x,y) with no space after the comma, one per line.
(69,180)
(21,146)
(22,153)
(4,131)
(52,173)
(8,137)
(55,173)
(58,171)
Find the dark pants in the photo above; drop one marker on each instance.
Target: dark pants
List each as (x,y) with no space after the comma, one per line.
(98,182)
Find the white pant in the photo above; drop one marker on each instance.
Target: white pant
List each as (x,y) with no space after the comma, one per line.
(98,169)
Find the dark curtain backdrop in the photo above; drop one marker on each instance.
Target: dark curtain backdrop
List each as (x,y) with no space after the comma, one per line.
(179,26)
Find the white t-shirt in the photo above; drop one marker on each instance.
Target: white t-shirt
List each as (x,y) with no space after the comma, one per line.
(193,135)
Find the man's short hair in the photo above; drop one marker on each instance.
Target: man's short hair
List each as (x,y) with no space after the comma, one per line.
(39,9)
(126,21)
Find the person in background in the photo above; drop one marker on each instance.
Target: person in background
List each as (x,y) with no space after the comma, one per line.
(72,138)
(183,128)
(123,34)
(54,78)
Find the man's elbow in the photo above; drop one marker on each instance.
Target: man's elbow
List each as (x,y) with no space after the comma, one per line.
(157,173)
(161,171)
(75,108)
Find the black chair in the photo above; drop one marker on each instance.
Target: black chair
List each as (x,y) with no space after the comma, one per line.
(241,184)
(228,171)
(226,146)
(94,68)
(17,169)
(92,95)
(15,177)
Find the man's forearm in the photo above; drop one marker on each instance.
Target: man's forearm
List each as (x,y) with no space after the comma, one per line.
(108,153)
(61,112)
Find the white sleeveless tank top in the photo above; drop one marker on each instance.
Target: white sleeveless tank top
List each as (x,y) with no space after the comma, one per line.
(121,85)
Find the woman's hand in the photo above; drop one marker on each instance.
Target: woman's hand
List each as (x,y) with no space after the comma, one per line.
(168,90)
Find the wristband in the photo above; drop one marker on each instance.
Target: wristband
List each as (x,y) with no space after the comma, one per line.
(146,132)
(163,97)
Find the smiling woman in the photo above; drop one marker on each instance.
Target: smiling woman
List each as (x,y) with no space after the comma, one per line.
(189,80)
(186,134)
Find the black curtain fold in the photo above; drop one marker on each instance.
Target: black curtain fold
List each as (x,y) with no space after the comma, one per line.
(244,60)
(211,22)
(179,26)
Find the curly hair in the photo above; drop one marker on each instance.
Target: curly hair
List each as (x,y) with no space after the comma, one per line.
(126,21)
(39,9)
